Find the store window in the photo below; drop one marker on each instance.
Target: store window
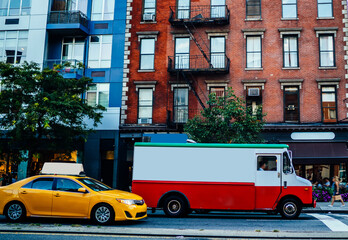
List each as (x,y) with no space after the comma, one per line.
(325,9)
(329,106)
(147,53)
(290,51)
(13,46)
(149,10)
(253,52)
(99,55)
(291,104)
(15,7)
(102,10)
(253,9)
(145,105)
(180,105)
(289,9)
(98,94)
(73,48)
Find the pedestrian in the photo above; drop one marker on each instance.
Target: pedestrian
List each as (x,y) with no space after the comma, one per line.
(336,191)
(326,182)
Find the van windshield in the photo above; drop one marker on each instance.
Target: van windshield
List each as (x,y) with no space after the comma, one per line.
(94,184)
(287,167)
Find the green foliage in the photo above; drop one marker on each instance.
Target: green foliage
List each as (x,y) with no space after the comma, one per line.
(43,110)
(226,120)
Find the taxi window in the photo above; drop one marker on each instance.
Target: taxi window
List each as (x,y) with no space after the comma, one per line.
(67,185)
(267,163)
(42,184)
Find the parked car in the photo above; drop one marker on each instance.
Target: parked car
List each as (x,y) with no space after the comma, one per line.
(69,196)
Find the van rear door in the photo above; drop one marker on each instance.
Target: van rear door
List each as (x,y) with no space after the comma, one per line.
(268,181)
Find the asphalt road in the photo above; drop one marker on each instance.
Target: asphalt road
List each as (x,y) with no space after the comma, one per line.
(156,226)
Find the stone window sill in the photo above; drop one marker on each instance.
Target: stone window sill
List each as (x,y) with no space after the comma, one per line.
(327,68)
(253,69)
(145,71)
(291,68)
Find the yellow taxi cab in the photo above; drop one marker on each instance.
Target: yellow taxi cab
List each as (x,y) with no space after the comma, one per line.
(69,196)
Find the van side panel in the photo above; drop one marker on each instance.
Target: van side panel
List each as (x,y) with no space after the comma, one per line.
(201,195)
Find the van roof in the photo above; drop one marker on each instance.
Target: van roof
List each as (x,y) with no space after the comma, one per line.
(210,145)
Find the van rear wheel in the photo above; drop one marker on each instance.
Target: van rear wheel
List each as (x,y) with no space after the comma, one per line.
(290,208)
(175,206)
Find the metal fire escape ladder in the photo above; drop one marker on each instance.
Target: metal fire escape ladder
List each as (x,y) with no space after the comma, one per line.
(193,89)
(197,43)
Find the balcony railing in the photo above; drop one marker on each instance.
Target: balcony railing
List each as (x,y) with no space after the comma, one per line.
(67,17)
(219,63)
(69,68)
(208,14)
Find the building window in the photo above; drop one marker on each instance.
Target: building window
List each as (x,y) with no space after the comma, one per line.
(325,9)
(182,53)
(218,9)
(329,106)
(145,105)
(183,9)
(291,104)
(102,10)
(147,53)
(70,5)
(254,99)
(253,50)
(99,55)
(13,46)
(219,91)
(14,7)
(149,10)
(98,94)
(73,48)
(290,51)
(289,8)
(217,52)
(327,50)
(253,9)
(180,105)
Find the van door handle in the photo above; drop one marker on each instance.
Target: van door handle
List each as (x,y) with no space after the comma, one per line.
(278,175)
(285,184)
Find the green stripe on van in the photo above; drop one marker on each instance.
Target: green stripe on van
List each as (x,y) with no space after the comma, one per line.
(209,145)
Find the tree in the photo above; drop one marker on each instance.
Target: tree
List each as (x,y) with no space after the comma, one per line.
(41,110)
(226,120)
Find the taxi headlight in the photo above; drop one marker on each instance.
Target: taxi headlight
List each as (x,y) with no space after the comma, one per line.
(126,201)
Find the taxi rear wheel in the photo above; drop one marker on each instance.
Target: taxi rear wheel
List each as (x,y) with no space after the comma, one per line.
(15,212)
(103,214)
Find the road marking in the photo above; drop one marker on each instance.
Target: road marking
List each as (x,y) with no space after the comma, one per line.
(332,223)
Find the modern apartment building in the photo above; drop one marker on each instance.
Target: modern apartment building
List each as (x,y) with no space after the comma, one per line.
(290,56)
(81,32)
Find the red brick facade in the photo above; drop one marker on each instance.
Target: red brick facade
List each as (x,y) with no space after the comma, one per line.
(307,26)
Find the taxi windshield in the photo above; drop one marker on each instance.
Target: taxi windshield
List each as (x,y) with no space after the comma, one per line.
(94,184)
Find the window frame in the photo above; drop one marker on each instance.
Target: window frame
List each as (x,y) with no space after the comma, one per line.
(322,107)
(20,9)
(298,102)
(287,4)
(185,9)
(3,56)
(257,99)
(333,50)
(145,106)
(97,91)
(332,10)
(246,50)
(175,53)
(55,185)
(103,12)
(143,11)
(100,59)
(217,6)
(212,53)
(175,107)
(73,44)
(253,16)
(147,54)
(297,50)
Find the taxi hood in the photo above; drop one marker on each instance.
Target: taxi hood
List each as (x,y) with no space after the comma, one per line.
(121,194)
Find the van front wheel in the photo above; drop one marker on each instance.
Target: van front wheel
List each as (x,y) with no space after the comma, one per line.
(290,208)
(175,206)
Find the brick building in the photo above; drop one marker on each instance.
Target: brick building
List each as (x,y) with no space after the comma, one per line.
(290,56)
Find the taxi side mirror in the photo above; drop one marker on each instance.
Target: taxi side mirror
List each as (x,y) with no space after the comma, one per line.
(82,190)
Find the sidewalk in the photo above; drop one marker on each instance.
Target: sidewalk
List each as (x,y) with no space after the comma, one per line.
(322,207)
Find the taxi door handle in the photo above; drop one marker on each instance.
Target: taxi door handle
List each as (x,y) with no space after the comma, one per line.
(24,192)
(57,195)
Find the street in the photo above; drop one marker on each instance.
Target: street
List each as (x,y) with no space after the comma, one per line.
(202,226)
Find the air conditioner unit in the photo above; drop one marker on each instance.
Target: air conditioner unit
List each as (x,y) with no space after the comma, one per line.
(253,92)
(144,121)
(149,17)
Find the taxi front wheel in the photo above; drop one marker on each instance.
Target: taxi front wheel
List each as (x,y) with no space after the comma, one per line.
(103,214)
(15,211)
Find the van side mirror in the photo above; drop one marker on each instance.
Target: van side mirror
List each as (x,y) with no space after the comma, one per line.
(82,190)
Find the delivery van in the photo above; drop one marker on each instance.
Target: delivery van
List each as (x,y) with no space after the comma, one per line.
(179,178)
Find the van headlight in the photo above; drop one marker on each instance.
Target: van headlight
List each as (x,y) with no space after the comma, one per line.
(126,201)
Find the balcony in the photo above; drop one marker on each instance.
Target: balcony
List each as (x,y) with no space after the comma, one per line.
(70,22)
(70,68)
(214,15)
(220,63)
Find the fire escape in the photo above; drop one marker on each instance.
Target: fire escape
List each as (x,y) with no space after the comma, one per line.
(187,66)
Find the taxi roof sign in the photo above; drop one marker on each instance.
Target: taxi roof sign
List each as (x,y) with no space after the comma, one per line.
(59,168)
